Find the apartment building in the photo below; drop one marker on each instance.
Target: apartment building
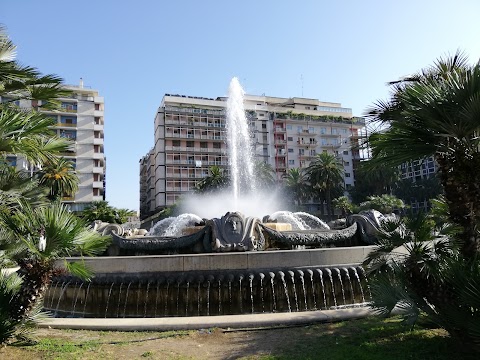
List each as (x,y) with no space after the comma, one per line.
(81,119)
(190,137)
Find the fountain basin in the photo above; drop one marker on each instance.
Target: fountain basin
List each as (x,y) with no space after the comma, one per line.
(214,284)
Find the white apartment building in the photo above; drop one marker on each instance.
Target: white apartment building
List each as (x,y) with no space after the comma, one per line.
(190,137)
(80,118)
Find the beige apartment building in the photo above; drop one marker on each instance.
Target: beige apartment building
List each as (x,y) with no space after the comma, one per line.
(81,119)
(190,137)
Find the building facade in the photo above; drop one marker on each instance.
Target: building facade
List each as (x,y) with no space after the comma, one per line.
(81,119)
(190,137)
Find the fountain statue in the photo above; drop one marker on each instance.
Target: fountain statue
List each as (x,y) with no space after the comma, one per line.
(229,263)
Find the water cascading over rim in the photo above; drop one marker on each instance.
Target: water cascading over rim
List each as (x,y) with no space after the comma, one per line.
(209,293)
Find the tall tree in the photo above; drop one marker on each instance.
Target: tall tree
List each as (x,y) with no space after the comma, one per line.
(325,174)
(59,176)
(436,113)
(264,174)
(216,180)
(296,185)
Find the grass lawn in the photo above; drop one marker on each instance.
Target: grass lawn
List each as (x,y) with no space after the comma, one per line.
(370,339)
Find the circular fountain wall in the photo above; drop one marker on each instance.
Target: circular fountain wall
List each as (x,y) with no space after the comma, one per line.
(214,284)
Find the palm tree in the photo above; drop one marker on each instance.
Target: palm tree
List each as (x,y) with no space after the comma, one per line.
(264,174)
(43,235)
(99,210)
(123,214)
(296,184)
(23,132)
(325,174)
(18,189)
(436,113)
(382,180)
(425,276)
(385,203)
(60,177)
(344,204)
(215,181)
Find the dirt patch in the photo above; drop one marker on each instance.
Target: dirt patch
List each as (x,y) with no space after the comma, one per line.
(201,344)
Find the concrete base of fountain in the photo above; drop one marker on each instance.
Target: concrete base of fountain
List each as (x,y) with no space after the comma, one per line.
(214,284)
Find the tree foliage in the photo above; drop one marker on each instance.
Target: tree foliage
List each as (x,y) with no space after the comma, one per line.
(325,174)
(436,113)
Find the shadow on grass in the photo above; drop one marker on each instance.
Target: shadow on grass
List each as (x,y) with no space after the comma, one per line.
(368,339)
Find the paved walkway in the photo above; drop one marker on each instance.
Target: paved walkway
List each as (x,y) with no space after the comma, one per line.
(205,322)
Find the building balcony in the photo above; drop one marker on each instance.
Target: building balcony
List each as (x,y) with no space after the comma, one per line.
(99,155)
(98,127)
(280,166)
(98,141)
(306,132)
(68,198)
(279,129)
(98,184)
(330,135)
(98,170)
(279,142)
(307,143)
(61,125)
(68,154)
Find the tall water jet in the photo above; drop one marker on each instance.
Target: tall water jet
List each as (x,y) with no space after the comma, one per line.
(239,143)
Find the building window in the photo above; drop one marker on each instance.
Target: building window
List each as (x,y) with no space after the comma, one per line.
(68,120)
(97,106)
(69,107)
(290,150)
(311,130)
(190,144)
(264,126)
(289,127)
(176,142)
(291,162)
(216,145)
(69,134)
(347,175)
(290,138)
(261,114)
(301,152)
(345,152)
(203,145)
(323,130)
(307,107)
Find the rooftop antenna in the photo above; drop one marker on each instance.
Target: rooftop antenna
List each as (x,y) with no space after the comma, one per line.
(81,83)
(301,80)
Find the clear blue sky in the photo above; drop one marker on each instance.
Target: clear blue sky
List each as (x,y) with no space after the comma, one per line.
(133,52)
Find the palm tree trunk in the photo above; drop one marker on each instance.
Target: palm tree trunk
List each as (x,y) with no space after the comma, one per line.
(36,276)
(460,177)
(328,197)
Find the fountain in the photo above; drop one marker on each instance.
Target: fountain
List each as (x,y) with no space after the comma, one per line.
(231,264)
